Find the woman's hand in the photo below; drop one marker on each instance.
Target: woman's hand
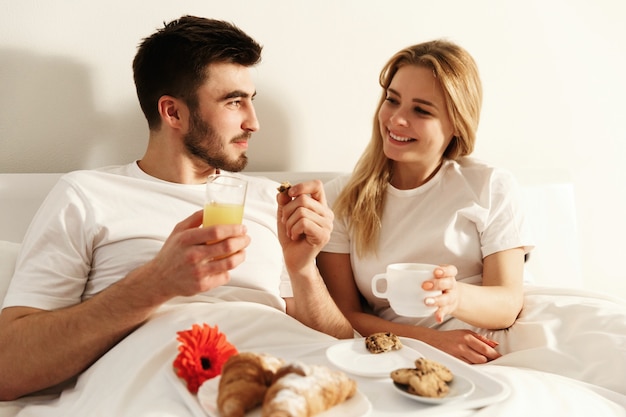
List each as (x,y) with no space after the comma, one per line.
(444,281)
(466,345)
(494,304)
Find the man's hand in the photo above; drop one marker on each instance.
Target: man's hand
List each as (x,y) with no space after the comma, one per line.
(40,348)
(194,259)
(304,223)
(304,226)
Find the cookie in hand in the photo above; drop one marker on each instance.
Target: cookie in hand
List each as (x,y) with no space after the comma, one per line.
(284,186)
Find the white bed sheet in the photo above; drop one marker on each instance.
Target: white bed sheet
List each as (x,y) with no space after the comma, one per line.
(136,377)
(570,332)
(566,354)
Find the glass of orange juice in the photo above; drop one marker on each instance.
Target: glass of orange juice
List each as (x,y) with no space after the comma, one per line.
(225,199)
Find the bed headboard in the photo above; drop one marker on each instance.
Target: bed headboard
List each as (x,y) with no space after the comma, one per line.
(550,208)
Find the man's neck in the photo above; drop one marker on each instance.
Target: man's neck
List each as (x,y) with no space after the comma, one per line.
(173,167)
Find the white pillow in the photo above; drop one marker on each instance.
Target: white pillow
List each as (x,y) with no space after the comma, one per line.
(8,255)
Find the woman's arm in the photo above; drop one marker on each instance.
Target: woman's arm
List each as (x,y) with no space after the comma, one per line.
(494,305)
(336,270)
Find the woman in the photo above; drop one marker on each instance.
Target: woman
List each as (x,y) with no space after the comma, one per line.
(415,196)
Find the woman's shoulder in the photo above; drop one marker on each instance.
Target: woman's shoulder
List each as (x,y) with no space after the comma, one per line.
(482,178)
(471,164)
(475,169)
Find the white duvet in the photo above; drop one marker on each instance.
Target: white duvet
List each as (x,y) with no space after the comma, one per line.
(565,356)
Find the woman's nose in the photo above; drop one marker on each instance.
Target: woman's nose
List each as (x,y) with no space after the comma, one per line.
(398,118)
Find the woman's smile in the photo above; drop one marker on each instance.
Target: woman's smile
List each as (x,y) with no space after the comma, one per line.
(397,138)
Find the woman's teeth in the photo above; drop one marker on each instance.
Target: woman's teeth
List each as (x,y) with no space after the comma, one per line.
(400,138)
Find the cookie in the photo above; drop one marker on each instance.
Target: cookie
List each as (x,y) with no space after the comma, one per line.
(403,375)
(426,366)
(382,342)
(427,379)
(284,187)
(428,385)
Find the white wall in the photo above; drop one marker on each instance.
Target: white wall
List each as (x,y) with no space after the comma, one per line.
(553,73)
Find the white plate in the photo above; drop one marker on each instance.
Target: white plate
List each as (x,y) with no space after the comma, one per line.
(357,406)
(460,387)
(353,357)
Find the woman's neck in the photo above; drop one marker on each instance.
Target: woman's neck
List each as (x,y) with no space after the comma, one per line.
(407,177)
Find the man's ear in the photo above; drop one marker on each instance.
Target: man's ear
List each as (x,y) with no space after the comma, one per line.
(173,112)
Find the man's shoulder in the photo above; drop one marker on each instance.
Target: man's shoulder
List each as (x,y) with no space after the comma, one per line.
(111,171)
(94,182)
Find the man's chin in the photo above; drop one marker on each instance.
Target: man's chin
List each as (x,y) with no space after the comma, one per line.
(236,166)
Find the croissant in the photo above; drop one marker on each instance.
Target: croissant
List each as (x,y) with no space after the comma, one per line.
(244,382)
(301,390)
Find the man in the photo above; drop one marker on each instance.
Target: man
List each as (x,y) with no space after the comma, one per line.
(105,251)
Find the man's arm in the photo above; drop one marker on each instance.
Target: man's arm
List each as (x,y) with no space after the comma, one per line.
(40,349)
(304,225)
(43,348)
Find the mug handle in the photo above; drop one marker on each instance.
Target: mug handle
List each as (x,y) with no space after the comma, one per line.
(375,280)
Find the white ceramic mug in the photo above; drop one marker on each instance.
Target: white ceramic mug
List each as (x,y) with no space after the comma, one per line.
(404,288)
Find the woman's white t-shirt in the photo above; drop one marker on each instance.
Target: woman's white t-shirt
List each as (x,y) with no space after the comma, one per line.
(466,212)
(96,226)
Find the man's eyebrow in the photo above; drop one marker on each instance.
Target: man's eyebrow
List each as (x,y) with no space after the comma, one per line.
(237,94)
(415,100)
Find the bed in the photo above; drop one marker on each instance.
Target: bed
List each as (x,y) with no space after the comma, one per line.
(566,355)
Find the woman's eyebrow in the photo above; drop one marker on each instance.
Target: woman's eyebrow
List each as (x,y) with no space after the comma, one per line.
(415,100)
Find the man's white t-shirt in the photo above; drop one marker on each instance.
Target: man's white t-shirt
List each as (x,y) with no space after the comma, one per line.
(466,212)
(96,226)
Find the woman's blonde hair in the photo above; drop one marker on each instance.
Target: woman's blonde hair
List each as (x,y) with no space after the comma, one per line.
(362,200)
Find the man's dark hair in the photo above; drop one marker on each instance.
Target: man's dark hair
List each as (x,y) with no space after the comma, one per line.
(173,61)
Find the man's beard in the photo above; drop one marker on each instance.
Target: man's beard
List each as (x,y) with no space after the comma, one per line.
(204,143)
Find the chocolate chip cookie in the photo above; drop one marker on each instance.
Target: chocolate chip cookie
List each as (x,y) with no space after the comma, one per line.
(382,342)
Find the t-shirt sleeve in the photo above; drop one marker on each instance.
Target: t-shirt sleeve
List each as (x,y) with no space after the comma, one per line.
(339,239)
(505,225)
(54,261)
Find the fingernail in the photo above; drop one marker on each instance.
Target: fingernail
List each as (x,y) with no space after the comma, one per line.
(429,301)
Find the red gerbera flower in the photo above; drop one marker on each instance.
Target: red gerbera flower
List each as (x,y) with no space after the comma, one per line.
(202,353)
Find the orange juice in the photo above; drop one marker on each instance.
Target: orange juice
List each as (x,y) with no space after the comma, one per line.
(215,213)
